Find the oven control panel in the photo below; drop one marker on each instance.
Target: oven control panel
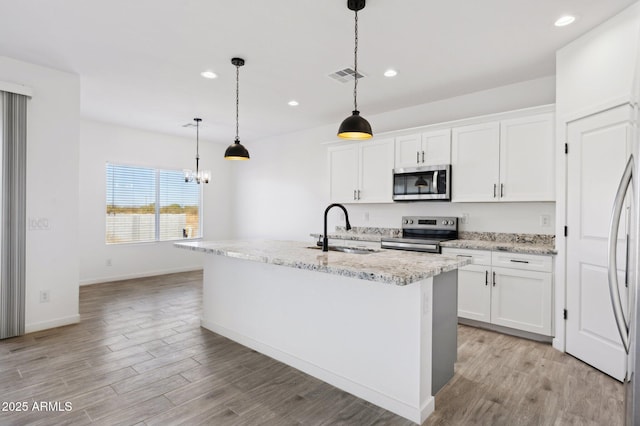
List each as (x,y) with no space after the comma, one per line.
(430,222)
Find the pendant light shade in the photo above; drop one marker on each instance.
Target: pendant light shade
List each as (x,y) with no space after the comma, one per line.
(355,127)
(237,151)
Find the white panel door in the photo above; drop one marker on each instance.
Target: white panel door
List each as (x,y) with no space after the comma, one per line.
(475,162)
(521,299)
(436,148)
(598,148)
(376,171)
(474,292)
(408,149)
(527,159)
(343,173)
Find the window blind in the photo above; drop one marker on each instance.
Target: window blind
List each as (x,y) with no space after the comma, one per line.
(146,204)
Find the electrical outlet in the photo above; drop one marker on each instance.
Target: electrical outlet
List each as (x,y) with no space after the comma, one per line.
(545,220)
(108,262)
(44,296)
(464,219)
(39,224)
(366,216)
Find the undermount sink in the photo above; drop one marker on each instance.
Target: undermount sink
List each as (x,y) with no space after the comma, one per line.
(346,249)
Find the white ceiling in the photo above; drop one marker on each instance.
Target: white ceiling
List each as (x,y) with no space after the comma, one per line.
(140,60)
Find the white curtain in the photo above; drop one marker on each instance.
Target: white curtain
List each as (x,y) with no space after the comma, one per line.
(13,123)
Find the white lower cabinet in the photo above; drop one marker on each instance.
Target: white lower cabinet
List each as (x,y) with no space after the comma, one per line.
(518,295)
(474,293)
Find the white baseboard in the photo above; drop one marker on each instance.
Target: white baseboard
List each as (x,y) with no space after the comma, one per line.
(112,278)
(415,414)
(45,325)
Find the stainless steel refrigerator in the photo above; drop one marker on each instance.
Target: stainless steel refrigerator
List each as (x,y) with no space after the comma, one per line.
(624,286)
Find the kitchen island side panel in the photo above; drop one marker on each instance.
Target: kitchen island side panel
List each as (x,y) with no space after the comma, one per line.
(368,338)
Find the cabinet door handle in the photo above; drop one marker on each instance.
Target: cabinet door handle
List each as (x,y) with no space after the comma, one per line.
(423,156)
(417,156)
(486,277)
(358,194)
(518,261)
(501,190)
(463,255)
(494,278)
(354,194)
(494,190)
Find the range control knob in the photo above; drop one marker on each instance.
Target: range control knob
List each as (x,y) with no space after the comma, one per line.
(410,222)
(405,221)
(445,222)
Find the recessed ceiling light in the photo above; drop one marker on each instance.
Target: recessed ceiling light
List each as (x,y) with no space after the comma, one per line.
(293,103)
(208,74)
(390,73)
(565,20)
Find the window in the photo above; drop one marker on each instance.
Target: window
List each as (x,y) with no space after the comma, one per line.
(145,204)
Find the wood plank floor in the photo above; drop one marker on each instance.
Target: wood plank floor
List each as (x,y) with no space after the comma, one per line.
(139,357)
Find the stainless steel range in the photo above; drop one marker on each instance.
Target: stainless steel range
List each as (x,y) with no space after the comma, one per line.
(423,233)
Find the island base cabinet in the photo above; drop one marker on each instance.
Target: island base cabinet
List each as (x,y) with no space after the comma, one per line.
(522,299)
(374,340)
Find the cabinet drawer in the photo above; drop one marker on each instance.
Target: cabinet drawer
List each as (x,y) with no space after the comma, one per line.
(529,262)
(479,257)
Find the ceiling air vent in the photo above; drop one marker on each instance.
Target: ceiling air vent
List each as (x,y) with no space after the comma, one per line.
(346,75)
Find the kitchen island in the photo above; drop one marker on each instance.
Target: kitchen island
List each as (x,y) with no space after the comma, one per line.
(382,326)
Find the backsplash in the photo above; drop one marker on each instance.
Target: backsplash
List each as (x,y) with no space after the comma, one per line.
(366,230)
(500,237)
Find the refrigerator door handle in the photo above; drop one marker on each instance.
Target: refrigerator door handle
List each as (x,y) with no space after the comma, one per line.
(614,291)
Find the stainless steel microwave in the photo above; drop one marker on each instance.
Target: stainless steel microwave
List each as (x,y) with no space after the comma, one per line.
(422,183)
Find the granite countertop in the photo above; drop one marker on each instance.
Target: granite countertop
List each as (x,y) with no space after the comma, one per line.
(387,266)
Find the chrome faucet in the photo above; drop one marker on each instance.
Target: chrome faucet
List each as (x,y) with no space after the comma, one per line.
(325,239)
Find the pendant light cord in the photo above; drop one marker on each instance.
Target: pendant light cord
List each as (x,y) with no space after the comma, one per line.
(355,66)
(237,101)
(197,144)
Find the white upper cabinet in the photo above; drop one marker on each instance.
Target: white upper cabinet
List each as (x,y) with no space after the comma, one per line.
(527,166)
(426,149)
(475,162)
(343,173)
(510,160)
(362,172)
(376,171)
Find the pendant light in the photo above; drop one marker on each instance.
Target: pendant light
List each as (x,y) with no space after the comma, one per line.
(199,176)
(236,151)
(355,127)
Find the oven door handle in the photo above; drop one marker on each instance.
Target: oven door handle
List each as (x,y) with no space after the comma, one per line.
(394,244)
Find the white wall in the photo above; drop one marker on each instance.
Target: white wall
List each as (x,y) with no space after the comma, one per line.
(52,191)
(283,191)
(101,143)
(598,70)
